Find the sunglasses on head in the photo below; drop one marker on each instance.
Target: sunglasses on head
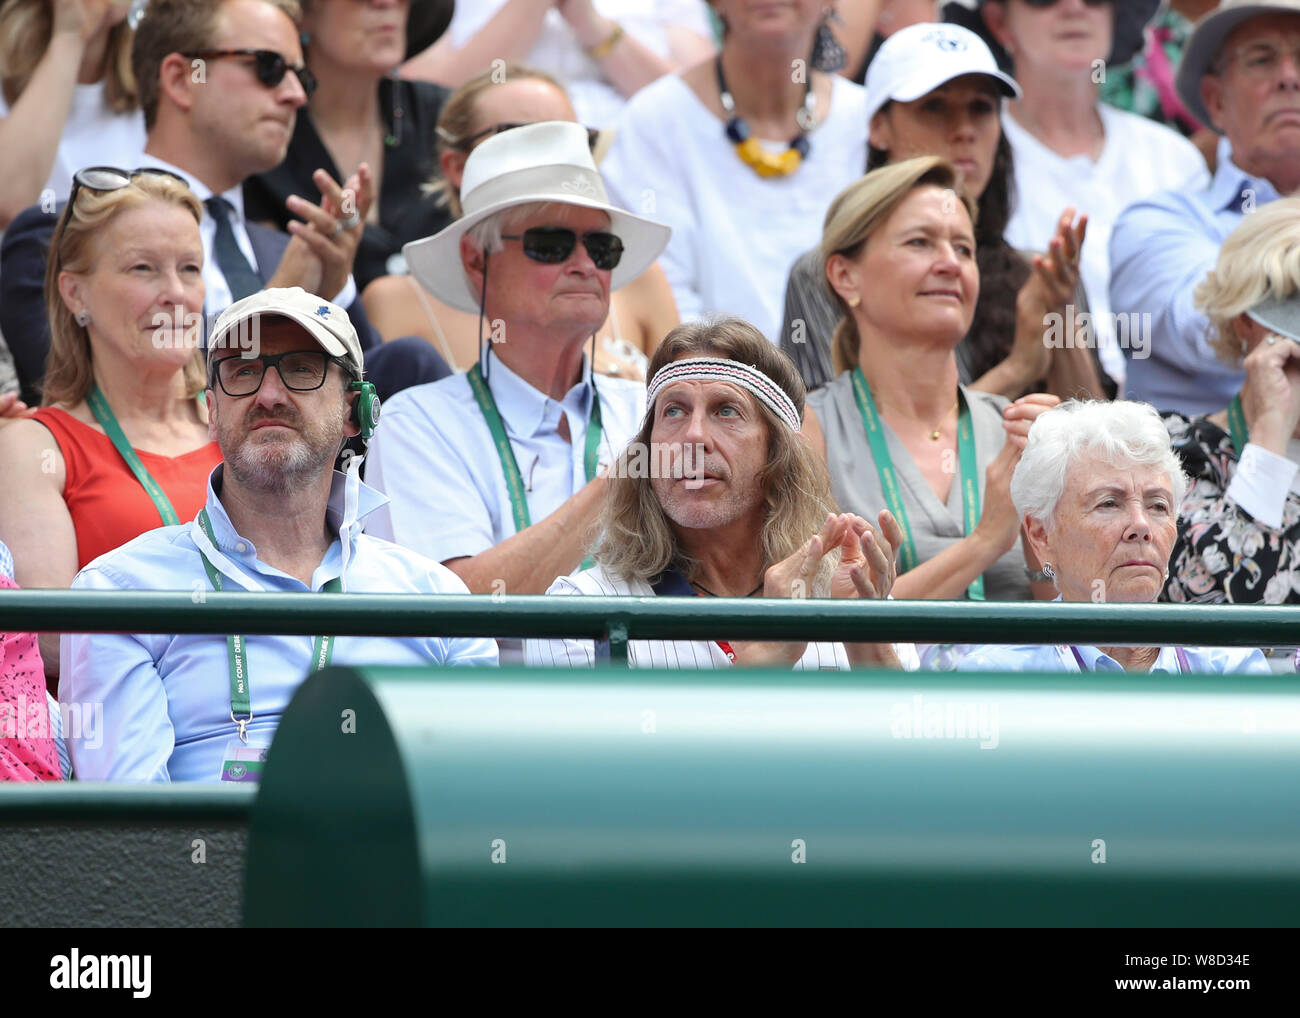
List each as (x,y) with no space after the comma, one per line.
(269,66)
(593,135)
(1053,3)
(553,244)
(111,178)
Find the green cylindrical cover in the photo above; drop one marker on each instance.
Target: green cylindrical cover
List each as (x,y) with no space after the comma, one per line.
(502,798)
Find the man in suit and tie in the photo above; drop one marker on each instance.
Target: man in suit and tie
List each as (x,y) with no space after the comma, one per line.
(220,84)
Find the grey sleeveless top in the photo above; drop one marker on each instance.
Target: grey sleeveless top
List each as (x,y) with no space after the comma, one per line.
(935,526)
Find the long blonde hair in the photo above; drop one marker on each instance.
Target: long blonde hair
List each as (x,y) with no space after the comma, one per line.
(1259,260)
(26,27)
(69,371)
(855,214)
(636,537)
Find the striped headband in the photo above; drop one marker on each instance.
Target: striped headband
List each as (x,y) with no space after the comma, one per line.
(718,369)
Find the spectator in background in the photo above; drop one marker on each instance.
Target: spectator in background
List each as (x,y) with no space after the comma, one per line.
(1240,73)
(862,27)
(1145,85)
(749,511)
(67,97)
(740,156)
(601,51)
(362,113)
(640,313)
(121,445)
(28,750)
(1239,531)
(895,427)
(936,90)
(1098,490)
(494,472)
(215,116)
(277,518)
(1073,150)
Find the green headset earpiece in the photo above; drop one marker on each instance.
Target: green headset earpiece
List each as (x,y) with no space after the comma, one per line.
(366,409)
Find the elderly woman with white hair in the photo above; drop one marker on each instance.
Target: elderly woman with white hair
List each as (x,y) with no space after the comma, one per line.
(1239,534)
(1097,489)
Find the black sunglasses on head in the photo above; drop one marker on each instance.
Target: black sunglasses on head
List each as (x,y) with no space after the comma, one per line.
(593,135)
(269,66)
(111,178)
(552,244)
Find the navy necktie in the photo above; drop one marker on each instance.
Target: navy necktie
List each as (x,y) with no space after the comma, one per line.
(240,276)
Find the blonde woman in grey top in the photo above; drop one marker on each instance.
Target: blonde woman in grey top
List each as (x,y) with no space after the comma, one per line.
(896,428)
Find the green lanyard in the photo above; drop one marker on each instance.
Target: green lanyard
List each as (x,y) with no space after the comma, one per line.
(104,414)
(1237,426)
(322,648)
(509,466)
(970,491)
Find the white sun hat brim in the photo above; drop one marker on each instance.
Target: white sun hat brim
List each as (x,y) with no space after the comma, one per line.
(544,162)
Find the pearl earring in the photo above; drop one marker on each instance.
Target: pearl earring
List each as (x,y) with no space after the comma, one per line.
(82,317)
(854,301)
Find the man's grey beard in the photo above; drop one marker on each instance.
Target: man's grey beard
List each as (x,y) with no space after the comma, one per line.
(299,471)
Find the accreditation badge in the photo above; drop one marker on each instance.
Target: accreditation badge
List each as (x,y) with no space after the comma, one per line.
(244,762)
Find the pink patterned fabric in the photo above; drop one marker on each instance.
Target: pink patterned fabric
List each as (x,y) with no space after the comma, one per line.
(27,751)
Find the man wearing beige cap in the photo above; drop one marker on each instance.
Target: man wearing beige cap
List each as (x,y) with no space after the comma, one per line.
(285,391)
(1240,73)
(496,473)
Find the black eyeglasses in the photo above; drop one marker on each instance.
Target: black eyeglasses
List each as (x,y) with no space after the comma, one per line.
(269,65)
(552,244)
(300,370)
(593,135)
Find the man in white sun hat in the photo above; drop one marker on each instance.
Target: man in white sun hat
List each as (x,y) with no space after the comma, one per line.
(1240,73)
(496,473)
(285,391)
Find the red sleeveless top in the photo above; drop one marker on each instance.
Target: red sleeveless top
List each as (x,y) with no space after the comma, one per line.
(107,504)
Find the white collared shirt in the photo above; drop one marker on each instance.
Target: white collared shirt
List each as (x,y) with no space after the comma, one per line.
(165,699)
(218,291)
(435,459)
(705,654)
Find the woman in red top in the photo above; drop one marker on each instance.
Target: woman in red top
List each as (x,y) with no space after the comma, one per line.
(121,443)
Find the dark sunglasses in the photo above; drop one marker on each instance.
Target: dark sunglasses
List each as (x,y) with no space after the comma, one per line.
(1053,3)
(110,178)
(552,244)
(593,135)
(269,66)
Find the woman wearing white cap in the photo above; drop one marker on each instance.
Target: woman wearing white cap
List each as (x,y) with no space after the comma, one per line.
(936,90)
(1239,533)
(1072,149)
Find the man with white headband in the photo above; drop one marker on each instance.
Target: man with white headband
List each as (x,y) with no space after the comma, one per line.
(720,495)
(496,472)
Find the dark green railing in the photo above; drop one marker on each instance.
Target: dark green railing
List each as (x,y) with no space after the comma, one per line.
(648,618)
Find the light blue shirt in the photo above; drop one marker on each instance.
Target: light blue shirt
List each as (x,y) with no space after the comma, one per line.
(1160,250)
(166,698)
(1042,658)
(436,461)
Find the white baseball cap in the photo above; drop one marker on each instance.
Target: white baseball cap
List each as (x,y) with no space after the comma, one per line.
(918,59)
(326,322)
